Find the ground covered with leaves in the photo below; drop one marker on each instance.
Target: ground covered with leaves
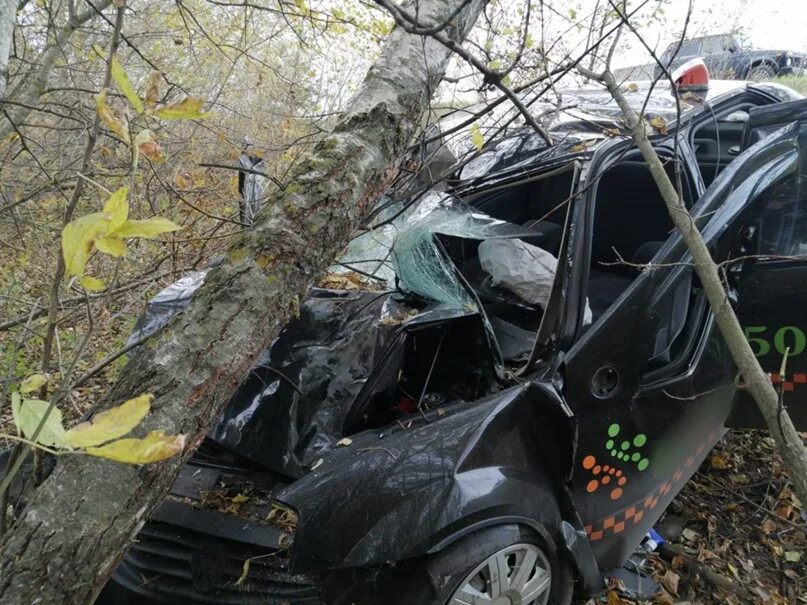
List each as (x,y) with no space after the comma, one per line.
(736,533)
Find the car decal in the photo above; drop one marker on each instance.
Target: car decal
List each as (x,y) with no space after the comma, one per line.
(616,522)
(789,385)
(605,474)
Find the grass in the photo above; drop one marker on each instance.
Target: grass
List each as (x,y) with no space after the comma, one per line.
(797,83)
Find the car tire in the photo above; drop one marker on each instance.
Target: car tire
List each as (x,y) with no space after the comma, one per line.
(761,72)
(467,567)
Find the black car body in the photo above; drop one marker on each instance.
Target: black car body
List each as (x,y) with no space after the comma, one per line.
(387,425)
(727,59)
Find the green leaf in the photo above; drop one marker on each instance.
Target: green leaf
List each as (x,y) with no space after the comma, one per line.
(122,80)
(116,208)
(153,447)
(190,108)
(148,228)
(78,239)
(33,383)
(476,137)
(111,245)
(27,415)
(92,284)
(792,556)
(110,424)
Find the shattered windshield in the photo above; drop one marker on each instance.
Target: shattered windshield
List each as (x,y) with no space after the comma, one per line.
(403,250)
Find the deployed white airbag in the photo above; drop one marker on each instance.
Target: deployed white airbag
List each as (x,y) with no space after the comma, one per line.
(525,270)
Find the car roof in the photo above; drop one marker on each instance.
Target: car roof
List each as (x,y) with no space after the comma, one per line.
(588,117)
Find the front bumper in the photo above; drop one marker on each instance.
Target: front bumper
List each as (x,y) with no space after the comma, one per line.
(190,553)
(172,564)
(793,71)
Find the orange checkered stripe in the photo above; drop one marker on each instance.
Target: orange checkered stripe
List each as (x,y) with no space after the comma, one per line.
(789,385)
(633,514)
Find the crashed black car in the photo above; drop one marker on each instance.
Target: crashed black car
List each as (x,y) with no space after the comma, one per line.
(427,431)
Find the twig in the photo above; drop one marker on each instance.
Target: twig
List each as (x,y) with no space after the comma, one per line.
(410,24)
(244,169)
(773,515)
(719,581)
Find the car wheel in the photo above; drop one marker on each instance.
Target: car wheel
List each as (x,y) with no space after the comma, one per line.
(761,72)
(503,565)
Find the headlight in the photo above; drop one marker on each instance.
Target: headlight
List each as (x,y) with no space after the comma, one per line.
(788,61)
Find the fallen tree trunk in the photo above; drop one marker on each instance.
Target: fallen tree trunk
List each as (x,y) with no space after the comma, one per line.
(79,521)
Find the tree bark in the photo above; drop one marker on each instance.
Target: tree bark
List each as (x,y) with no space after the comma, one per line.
(70,536)
(790,445)
(8,16)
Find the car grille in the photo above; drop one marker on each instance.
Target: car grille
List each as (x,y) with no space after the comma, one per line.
(185,566)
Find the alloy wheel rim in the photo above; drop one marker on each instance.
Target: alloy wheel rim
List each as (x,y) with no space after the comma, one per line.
(516,575)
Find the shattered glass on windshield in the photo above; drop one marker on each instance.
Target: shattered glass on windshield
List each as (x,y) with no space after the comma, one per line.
(407,248)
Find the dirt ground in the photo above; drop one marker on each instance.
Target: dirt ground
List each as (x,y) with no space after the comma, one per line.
(737,533)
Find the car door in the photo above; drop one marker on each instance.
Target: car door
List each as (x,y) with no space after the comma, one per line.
(769,277)
(650,385)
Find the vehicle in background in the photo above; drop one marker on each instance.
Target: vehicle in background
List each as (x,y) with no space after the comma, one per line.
(727,59)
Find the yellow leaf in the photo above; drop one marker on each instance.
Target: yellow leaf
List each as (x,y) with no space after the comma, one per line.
(116,208)
(27,414)
(153,88)
(111,245)
(190,108)
(719,462)
(244,572)
(583,145)
(153,447)
(108,117)
(110,424)
(476,137)
(148,228)
(660,124)
(125,85)
(92,284)
(33,383)
(78,239)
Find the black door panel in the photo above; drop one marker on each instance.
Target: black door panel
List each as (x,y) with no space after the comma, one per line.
(773,311)
(651,385)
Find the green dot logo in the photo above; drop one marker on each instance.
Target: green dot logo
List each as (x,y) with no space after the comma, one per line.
(623,451)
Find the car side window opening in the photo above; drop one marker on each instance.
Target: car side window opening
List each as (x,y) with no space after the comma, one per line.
(717,141)
(512,276)
(714,44)
(630,225)
(690,48)
(783,221)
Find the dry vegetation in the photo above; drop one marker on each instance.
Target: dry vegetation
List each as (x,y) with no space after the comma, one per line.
(259,73)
